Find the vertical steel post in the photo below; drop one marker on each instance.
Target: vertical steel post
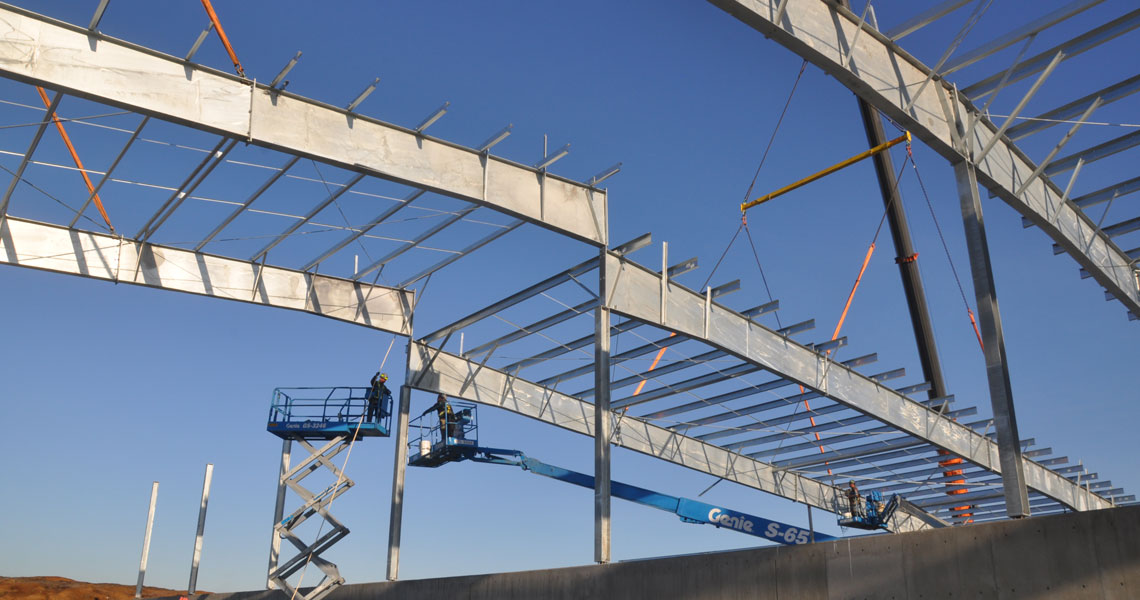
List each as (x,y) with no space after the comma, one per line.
(395,519)
(146,538)
(904,251)
(201,529)
(602,418)
(278,512)
(989,321)
(811,524)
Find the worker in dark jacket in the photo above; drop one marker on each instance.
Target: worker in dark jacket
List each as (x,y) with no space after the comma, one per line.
(448,427)
(853,497)
(378,397)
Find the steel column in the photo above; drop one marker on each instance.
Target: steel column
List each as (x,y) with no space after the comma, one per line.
(602,420)
(278,512)
(201,529)
(146,539)
(904,253)
(395,520)
(989,317)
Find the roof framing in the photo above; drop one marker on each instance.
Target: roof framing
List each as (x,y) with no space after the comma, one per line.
(436,371)
(636,292)
(893,82)
(88,64)
(113,258)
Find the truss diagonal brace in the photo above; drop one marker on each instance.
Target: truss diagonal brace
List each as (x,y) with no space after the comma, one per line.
(60,56)
(53,248)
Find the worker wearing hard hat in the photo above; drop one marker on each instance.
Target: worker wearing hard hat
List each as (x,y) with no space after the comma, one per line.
(853,497)
(448,427)
(378,398)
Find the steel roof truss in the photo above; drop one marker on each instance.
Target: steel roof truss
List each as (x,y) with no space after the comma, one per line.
(440,372)
(363,231)
(473,246)
(19,174)
(884,75)
(111,169)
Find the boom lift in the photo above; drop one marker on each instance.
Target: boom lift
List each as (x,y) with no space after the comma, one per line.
(456,439)
(870,513)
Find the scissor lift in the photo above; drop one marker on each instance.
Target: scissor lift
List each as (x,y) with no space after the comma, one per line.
(323,421)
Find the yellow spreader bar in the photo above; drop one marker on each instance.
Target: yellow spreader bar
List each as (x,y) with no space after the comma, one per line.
(854,159)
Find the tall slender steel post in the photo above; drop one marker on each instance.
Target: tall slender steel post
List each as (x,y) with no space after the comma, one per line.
(278,512)
(395,519)
(602,419)
(905,256)
(201,529)
(146,538)
(989,320)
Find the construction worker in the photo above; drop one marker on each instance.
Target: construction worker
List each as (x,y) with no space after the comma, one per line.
(853,497)
(378,397)
(447,424)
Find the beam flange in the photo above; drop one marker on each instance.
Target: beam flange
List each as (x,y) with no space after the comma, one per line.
(61,56)
(886,76)
(53,248)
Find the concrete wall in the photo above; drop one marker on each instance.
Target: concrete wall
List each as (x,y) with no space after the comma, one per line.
(1082,555)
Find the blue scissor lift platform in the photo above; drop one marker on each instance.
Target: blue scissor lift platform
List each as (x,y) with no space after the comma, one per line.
(326,413)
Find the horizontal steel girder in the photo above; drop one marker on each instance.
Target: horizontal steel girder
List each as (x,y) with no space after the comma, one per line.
(85,63)
(636,294)
(59,249)
(887,77)
(436,371)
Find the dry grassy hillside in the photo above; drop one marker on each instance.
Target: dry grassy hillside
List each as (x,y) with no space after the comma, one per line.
(61,588)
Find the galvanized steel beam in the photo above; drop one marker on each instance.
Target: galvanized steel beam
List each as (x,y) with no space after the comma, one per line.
(885,76)
(636,293)
(441,372)
(1086,41)
(468,249)
(1073,109)
(1111,192)
(513,299)
(88,64)
(925,18)
(1029,29)
(989,320)
(62,250)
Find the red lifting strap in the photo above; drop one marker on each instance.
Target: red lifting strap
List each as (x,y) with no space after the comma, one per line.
(906,259)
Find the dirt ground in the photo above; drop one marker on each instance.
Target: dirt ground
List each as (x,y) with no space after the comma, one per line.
(62,588)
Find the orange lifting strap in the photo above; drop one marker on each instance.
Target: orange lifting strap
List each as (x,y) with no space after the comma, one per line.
(222,35)
(75,158)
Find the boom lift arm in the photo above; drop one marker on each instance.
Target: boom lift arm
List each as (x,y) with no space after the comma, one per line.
(456,439)
(688,510)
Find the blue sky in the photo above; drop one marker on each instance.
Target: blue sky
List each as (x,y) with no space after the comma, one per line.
(108,388)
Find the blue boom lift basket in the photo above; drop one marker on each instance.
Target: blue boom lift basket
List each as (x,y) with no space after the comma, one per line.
(436,442)
(870,512)
(326,412)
